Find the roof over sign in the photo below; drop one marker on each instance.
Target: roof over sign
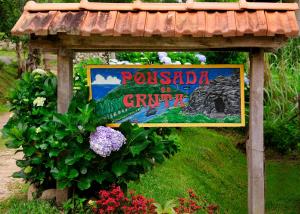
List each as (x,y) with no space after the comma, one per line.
(159,19)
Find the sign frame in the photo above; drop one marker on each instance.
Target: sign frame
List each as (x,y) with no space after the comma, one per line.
(242,93)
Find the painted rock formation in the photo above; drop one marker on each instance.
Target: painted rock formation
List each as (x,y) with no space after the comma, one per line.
(218,99)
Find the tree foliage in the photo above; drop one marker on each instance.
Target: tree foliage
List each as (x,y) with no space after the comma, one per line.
(10,11)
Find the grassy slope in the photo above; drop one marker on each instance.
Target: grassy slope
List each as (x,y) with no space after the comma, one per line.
(11,54)
(210,164)
(8,74)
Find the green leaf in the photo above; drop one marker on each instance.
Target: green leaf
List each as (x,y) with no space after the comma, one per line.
(62,119)
(119,168)
(140,135)
(84,184)
(43,146)
(36,160)
(19,174)
(54,153)
(126,128)
(79,139)
(70,160)
(28,169)
(60,134)
(29,150)
(88,156)
(63,184)
(103,176)
(22,163)
(55,144)
(14,144)
(137,149)
(73,174)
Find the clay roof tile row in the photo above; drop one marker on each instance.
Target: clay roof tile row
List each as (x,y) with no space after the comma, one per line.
(226,23)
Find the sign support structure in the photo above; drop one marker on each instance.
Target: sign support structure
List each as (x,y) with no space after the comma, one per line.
(64,96)
(255,145)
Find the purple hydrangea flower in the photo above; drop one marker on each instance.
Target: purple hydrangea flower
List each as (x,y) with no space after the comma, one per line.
(162,55)
(166,60)
(106,140)
(201,58)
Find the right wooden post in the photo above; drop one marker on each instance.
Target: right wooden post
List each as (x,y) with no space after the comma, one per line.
(255,145)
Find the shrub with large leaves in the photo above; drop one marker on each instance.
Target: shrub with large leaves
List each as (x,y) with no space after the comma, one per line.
(56,146)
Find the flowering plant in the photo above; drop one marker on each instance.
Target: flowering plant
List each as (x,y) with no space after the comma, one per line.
(106,140)
(33,102)
(175,58)
(194,203)
(39,101)
(57,146)
(115,201)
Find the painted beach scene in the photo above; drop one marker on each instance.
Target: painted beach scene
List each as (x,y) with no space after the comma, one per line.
(169,95)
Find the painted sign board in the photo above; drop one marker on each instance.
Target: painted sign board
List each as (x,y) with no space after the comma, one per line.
(169,95)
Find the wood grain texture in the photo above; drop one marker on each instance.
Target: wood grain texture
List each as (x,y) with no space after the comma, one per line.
(184,43)
(64,79)
(255,147)
(64,96)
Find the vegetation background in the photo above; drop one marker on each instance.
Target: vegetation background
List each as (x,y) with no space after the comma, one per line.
(212,161)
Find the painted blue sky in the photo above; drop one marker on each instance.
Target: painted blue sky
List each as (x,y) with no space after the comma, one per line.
(105,80)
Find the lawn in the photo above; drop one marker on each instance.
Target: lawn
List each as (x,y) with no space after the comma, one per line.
(8,75)
(11,54)
(283,189)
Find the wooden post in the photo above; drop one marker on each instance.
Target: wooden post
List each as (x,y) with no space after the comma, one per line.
(65,79)
(255,147)
(64,96)
(298,16)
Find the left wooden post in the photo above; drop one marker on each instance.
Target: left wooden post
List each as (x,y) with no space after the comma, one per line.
(64,96)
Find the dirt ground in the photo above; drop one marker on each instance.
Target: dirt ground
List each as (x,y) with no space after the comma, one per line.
(7,165)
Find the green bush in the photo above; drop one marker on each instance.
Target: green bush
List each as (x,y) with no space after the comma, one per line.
(56,146)
(282,87)
(184,57)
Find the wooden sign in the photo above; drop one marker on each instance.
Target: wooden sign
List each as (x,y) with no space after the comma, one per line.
(169,95)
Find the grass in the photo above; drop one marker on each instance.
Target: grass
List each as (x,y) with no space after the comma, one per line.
(208,163)
(12,54)
(4,108)
(283,189)
(18,204)
(175,115)
(2,143)
(8,75)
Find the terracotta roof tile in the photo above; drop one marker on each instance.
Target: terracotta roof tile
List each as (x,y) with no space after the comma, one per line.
(196,23)
(190,23)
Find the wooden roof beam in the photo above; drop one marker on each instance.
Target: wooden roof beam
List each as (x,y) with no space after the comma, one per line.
(128,43)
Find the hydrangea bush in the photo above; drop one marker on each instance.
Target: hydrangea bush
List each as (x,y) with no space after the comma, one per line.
(75,149)
(167,58)
(180,58)
(106,140)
